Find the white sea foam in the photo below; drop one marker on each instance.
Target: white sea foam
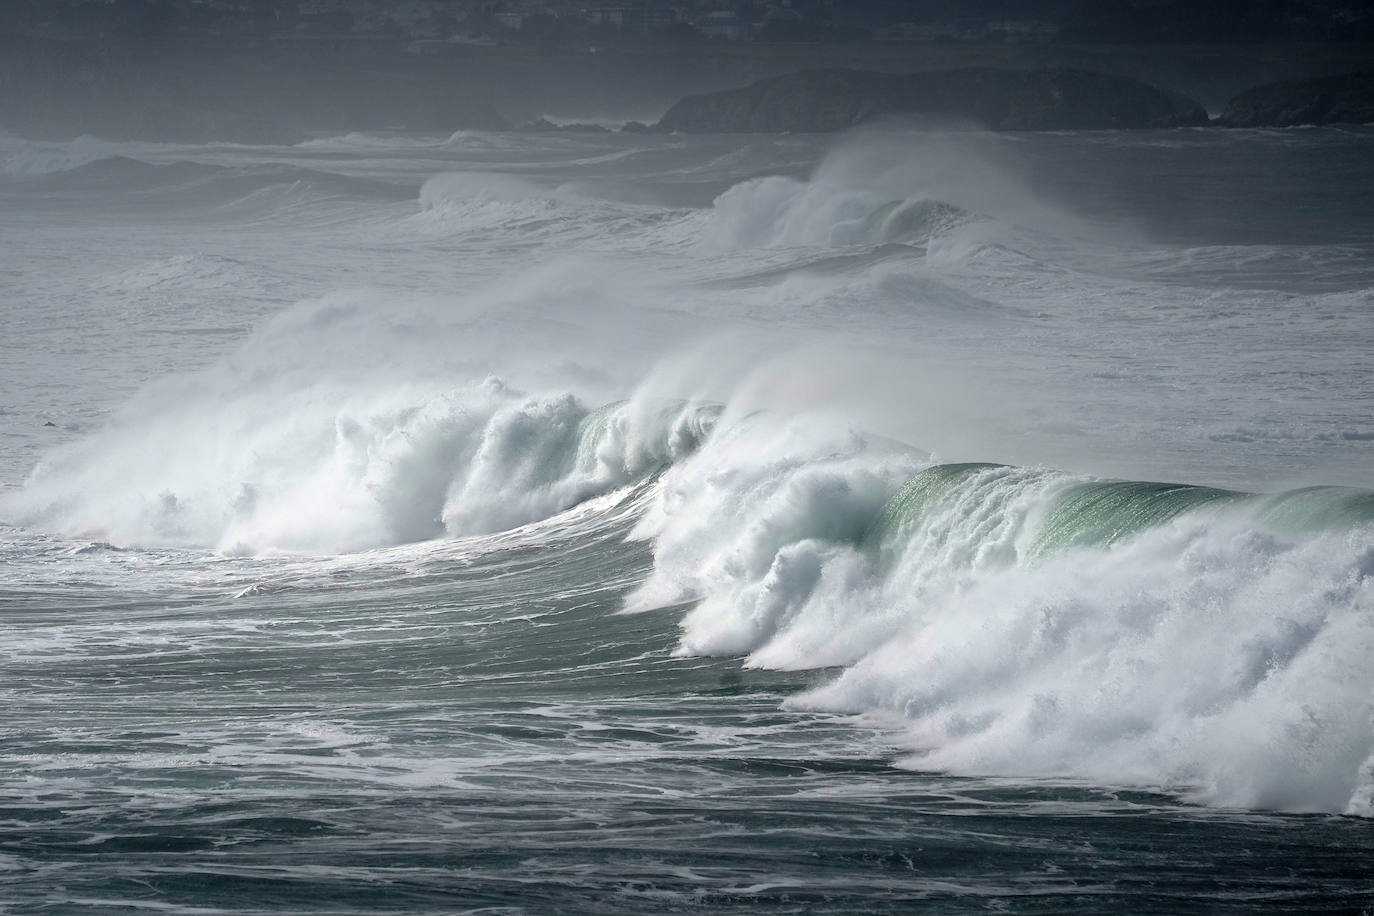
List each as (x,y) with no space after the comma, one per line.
(1214,654)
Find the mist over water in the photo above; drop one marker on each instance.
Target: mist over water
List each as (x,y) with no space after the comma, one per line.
(660,492)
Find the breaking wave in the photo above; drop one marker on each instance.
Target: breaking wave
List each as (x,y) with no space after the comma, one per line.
(333,474)
(784,212)
(1025,621)
(879,189)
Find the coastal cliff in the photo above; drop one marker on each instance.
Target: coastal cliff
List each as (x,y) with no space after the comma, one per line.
(1344,99)
(830,100)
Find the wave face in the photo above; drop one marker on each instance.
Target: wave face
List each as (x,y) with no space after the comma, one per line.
(882,422)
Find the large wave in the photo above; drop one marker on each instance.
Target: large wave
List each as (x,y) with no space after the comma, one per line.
(1031,622)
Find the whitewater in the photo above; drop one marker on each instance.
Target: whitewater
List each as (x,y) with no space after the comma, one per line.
(504,522)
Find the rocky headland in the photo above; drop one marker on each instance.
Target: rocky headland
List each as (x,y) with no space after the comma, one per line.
(831,100)
(1344,99)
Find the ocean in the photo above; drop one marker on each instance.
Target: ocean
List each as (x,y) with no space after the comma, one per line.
(623,523)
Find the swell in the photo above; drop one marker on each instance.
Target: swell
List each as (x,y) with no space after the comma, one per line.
(185,182)
(122,174)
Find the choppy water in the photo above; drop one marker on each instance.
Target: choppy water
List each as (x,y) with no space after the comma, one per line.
(553,523)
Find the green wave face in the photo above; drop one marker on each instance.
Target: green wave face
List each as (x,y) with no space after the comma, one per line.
(1101,513)
(914,220)
(1316,509)
(587,438)
(1023,514)
(906,508)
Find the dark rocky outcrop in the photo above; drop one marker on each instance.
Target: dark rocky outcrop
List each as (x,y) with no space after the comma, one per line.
(539,126)
(829,100)
(1347,99)
(544,126)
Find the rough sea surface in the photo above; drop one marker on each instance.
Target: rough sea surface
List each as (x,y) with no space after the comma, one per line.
(609,523)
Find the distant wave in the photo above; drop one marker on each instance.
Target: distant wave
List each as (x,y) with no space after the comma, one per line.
(502,207)
(785,212)
(877,189)
(123,173)
(96,167)
(24,158)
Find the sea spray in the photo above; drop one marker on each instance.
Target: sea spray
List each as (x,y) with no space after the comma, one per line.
(361,420)
(877,188)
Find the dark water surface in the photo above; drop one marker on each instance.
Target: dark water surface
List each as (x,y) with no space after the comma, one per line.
(446,731)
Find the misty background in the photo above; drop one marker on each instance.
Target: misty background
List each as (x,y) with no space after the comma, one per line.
(282,70)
